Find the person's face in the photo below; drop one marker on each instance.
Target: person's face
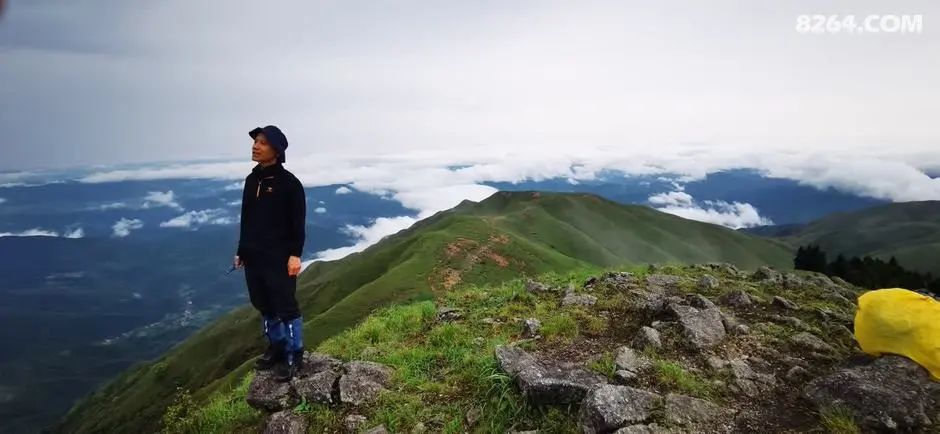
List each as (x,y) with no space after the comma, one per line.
(261,150)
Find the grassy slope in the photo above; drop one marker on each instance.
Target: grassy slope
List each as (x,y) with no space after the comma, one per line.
(443,369)
(507,235)
(909,231)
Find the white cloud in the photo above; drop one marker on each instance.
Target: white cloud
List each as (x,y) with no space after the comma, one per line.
(2,200)
(234,186)
(321,202)
(672,198)
(124,226)
(35,232)
(111,205)
(343,190)
(734,215)
(237,202)
(320,210)
(75,233)
(193,219)
(365,236)
(159,198)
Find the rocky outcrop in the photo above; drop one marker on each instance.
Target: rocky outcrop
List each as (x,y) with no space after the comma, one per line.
(323,380)
(891,393)
(543,382)
(531,328)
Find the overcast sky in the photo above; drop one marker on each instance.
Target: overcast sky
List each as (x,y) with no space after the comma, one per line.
(107,81)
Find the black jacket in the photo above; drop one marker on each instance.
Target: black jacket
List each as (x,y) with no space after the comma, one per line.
(274,211)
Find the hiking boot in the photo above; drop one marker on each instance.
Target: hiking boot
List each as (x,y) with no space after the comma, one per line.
(283,371)
(271,356)
(299,360)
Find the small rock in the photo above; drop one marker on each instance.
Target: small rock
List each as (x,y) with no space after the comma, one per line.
(419,428)
(701,302)
(808,341)
(642,429)
(688,411)
(647,337)
(530,328)
(790,321)
(708,282)
(572,299)
(767,275)
(537,287)
(716,363)
(736,298)
(363,382)
(268,394)
(607,408)
(376,430)
(473,416)
(353,423)
(449,314)
(784,303)
(285,422)
(625,377)
(619,279)
(489,321)
(628,360)
(797,374)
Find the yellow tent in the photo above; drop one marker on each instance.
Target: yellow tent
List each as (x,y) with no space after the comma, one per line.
(902,322)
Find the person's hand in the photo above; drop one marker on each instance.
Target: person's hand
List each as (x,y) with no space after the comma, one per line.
(293,266)
(237,262)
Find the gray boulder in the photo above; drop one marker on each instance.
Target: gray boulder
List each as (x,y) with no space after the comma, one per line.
(737,298)
(688,411)
(701,328)
(363,382)
(317,388)
(619,279)
(449,314)
(544,383)
(285,422)
(767,275)
(647,337)
(574,299)
(318,362)
(809,342)
(267,394)
(643,429)
(797,374)
(745,381)
(783,303)
(628,360)
(538,287)
(708,282)
(376,430)
(701,302)
(608,408)
(891,393)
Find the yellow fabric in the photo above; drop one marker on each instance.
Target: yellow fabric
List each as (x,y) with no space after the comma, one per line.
(902,322)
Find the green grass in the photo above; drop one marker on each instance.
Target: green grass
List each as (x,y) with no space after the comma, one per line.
(838,420)
(224,413)
(673,376)
(605,365)
(554,232)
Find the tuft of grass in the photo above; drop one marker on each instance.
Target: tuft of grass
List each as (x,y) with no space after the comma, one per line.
(672,375)
(839,420)
(605,365)
(559,326)
(225,413)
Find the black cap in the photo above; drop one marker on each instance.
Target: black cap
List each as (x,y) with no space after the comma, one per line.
(275,137)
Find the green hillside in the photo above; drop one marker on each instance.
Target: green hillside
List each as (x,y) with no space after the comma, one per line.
(909,231)
(498,239)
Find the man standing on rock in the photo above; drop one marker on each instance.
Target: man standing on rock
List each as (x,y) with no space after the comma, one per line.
(269,248)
